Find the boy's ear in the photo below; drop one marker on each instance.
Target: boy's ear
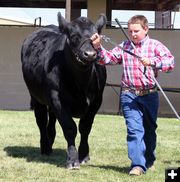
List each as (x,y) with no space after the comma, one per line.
(146,29)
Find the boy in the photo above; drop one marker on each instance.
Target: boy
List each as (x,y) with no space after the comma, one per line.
(139,97)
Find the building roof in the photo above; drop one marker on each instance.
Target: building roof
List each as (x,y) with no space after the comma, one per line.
(17,16)
(5,21)
(153,5)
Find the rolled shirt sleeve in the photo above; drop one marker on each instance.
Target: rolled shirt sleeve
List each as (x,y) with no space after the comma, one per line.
(113,56)
(163,59)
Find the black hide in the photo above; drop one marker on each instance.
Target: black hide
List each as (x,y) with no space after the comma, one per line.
(64,81)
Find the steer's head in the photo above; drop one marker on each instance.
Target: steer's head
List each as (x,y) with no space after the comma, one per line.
(78,34)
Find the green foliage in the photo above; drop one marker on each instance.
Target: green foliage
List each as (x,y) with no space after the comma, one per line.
(20,158)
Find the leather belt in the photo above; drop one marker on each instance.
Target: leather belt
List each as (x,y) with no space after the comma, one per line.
(139,92)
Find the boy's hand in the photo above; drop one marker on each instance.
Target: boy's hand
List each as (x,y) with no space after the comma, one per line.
(145,61)
(96,39)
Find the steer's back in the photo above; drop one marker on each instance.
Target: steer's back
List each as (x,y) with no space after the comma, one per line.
(37,50)
(39,46)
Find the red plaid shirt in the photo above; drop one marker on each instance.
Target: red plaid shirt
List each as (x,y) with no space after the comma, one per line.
(134,73)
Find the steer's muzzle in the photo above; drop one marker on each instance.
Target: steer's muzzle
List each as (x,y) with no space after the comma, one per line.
(90,55)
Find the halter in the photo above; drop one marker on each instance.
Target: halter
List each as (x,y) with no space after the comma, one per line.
(79,47)
(83,42)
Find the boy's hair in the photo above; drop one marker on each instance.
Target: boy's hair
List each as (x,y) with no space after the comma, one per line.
(139,19)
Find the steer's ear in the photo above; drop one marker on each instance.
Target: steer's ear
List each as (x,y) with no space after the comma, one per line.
(101,21)
(62,22)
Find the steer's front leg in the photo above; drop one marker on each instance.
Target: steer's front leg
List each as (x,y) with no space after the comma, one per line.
(85,126)
(69,130)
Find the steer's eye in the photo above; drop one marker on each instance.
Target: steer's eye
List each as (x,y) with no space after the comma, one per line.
(75,40)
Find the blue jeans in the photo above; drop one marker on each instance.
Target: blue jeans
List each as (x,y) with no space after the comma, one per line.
(140,113)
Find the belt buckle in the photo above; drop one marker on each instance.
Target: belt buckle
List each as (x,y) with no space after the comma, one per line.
(139,92)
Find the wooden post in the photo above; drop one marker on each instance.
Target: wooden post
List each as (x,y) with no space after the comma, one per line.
(68,10)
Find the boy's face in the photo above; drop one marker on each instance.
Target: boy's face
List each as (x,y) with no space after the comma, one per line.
(137,32)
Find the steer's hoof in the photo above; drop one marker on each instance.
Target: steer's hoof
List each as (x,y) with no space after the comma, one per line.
(85,160)
(46,148)
(72,158)
(74,165)
(46,151)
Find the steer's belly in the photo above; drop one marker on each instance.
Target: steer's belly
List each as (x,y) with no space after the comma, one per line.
(78,106)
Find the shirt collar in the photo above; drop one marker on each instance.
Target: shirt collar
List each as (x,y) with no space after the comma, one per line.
(142,41)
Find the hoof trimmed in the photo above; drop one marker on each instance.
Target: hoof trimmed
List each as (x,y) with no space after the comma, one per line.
(72,158)
(85,160)
(71,166)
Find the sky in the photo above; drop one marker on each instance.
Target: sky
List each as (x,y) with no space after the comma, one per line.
(49,16)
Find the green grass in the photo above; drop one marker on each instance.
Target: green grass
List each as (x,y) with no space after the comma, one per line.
(20,158)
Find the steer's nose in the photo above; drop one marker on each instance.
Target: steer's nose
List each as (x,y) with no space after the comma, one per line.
(90,55)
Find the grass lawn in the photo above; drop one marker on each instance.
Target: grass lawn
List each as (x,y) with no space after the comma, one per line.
(20,158)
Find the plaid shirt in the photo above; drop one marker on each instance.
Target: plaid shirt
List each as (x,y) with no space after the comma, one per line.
(135,75)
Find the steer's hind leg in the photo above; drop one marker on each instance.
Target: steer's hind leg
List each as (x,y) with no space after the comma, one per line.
(42,121)
(51,129)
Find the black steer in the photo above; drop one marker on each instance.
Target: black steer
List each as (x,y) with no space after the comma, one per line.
(60,70)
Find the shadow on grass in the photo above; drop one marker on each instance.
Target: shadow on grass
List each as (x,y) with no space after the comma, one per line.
(32,154)
(170,162)
(114,168)
(58,157)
